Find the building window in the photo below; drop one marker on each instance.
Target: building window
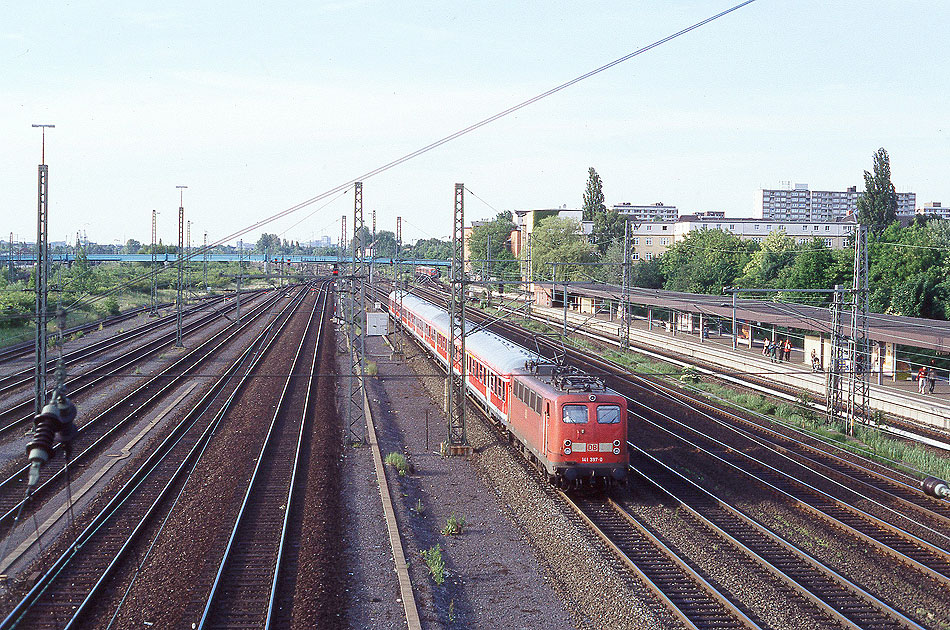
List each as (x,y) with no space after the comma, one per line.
(816,228)
(665,226)
(665,240)
(648,255)
(648,241)
(732,226)
(636,240)
(828,242)
(827,228)
(649,227)
(635,255)
(757,226)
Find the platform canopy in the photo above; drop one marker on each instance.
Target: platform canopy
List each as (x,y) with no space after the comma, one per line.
(907,331)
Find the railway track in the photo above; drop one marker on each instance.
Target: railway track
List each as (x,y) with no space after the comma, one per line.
(844,483)
(17,378)
(250,580)
(689,596)
(78,581)
(837,598)
(26,348)
(20,414)
(102,430)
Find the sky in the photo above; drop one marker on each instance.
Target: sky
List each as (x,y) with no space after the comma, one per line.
(258,108)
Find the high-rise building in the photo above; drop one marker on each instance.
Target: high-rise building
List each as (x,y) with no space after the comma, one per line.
(801,204)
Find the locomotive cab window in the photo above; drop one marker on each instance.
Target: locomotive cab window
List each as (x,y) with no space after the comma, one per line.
(608,414)
(574,414)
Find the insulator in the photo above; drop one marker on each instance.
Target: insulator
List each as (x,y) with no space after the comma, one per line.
(54,423)
(937,488)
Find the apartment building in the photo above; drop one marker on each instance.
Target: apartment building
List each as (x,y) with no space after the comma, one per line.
(934,209)
(799,203)
(653,212)
(650,239)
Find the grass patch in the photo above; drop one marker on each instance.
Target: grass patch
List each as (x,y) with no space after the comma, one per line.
(436,563)
(399,462)
(371,368)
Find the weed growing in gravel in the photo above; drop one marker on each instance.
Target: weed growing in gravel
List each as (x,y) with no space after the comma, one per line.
(398,461)
(436,563)
(420,509)
(452,611)
(454,525)
(371,368)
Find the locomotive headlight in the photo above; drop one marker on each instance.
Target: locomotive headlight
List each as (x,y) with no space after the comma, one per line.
(616,451)
(567,450)
(567,443)
(617,443)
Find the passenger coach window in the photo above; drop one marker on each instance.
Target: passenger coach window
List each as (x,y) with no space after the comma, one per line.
(608,414)
(574,414)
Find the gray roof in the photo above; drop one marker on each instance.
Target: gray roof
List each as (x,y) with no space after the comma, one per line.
(908,331)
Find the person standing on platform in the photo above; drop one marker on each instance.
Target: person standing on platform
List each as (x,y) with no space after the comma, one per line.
(931,378)
(772,351)
(788,350)
(765,347)
(921,379)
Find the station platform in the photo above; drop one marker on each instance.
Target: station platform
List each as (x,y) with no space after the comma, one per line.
(893,397)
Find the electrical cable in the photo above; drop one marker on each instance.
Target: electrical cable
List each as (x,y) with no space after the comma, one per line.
(466,130)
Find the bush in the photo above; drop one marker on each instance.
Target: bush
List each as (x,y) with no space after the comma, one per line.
(436,563)
(111,305)
(454,525)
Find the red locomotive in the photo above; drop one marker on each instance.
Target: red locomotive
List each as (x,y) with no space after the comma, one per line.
(567,422)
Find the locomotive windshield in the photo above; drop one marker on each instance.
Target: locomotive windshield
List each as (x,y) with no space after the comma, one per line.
(608,414)
(574,414)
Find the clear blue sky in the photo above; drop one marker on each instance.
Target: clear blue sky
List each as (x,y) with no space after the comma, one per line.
(257,108)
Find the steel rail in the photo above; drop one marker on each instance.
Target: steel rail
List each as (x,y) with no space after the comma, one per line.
(256,350)
(291,500)
(899,544)
(130,489)
(191,361)
(103,371)
(689,596)
(833,593)
(222,612)
(8,381)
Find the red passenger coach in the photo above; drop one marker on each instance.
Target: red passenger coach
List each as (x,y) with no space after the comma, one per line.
(567,422)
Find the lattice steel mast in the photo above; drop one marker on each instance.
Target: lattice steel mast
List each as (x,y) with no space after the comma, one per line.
(859,384)
(455,377)
(833,382)
(356,317)
(153,299)
(179,300)
(42,276)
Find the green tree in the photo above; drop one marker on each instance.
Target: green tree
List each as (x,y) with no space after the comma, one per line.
(777,252)
(812,268)
(705,261)
(561,241)
(498,232)
(877,207)
(267,243)
(593,196)
(608,229)
(132,246)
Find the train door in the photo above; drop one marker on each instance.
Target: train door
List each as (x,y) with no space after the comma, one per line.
(545,426)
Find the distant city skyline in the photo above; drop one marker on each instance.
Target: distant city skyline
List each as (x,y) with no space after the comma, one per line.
(258,110)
